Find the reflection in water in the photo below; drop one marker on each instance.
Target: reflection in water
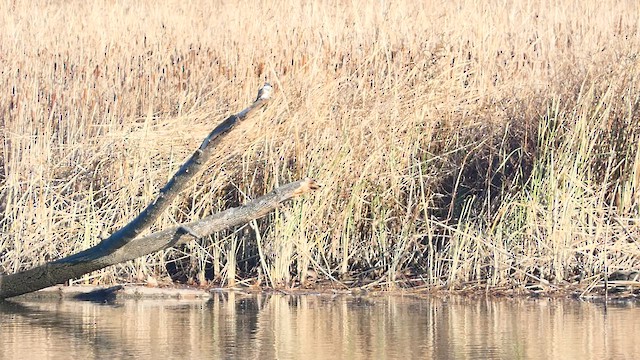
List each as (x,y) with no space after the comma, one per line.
(235,325)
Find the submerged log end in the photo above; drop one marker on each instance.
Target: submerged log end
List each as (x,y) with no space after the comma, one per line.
(306,185)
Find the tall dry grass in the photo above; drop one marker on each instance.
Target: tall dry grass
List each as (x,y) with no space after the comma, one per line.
(482,144)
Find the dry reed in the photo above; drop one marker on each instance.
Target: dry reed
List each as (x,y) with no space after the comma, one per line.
(462,144)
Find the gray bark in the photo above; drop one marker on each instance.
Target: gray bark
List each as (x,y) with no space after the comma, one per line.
(124,244)
(97,258)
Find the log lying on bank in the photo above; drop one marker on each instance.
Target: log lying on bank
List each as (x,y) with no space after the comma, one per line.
(102,294)
(124,244)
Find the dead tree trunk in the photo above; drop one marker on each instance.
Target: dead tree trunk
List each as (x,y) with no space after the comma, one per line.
(123,245)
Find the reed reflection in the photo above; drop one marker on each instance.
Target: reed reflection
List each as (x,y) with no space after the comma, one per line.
(269,326)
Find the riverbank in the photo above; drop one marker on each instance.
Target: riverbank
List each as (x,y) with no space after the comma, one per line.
(617,291)
(462,145)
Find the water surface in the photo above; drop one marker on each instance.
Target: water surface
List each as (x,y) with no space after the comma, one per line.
(249,326)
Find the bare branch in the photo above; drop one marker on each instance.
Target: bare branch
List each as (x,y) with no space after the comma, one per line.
(193,166)
(123,245)
(71,267)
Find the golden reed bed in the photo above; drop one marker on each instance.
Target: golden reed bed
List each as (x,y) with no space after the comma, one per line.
(461,144)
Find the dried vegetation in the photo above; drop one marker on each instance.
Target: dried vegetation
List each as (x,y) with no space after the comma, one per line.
(462,144)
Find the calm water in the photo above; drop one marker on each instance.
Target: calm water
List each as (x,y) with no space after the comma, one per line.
(240,326)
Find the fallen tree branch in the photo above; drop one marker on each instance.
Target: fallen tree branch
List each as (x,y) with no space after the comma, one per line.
(69,268)
(193,166)
(123,245)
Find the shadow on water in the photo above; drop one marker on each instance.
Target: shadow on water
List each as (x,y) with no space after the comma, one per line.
(52,323)
(270,326)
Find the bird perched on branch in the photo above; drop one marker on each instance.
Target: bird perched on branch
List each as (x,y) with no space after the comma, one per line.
(265,92)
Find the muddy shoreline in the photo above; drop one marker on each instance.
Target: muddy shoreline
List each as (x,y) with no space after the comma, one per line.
(184,292)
